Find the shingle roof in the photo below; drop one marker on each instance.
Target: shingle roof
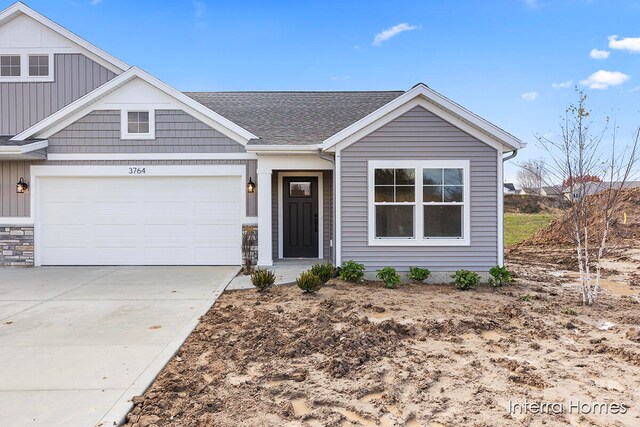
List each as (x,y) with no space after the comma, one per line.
(294,117)
(5,140)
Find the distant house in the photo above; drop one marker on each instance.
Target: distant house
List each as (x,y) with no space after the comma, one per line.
(510,188)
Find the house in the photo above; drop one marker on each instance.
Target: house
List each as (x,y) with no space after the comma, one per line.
(103,164)
(510,188)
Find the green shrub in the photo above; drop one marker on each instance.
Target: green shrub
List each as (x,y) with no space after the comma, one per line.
(309,282)
(324,271)
(263,279)
(499,276)
(351,271)
(418,274)
(465,279)
(389,276)
(525,298)
(570,311)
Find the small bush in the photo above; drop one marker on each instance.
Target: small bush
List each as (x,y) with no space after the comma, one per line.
(500,276)
(324,271)
(631,300)
(525,298)
(351,271)
(418,274)
(570,311)
(465,279)
(309,282)
(263,279)
(389,276)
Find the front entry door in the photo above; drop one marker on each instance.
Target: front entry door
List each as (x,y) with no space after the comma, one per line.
(300,217)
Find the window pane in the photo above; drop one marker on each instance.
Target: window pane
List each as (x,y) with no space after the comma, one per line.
(143,127)
(34,71)
(453,193)
(384,193)
(5,60)
(394,221)
(132,117)
(44,60)
(33,60)
(143,117)
(5,71)
(405,193)
(432,193)
(299,189)
(405,176)
(442,221)
(432,176)
(453,176)
(132,128)
(384,177)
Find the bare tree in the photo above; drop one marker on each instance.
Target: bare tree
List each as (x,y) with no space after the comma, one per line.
(581,152)
(531,174)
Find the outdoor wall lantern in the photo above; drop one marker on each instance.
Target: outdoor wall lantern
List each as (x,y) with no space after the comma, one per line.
(251,186)
(21,186)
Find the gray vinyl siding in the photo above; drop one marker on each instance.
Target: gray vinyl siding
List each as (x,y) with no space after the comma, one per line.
(17,205)
(23,104)
(420,135)
(327,209)
(176,132)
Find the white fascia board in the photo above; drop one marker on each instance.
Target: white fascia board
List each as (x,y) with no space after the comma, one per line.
(433,102)
(282,149)
(109,61)
(150,156)
(22,149)
(81,107)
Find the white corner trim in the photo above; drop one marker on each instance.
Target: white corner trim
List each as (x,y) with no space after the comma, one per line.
(8,220)
(124,124)
(418,219)
(22,149)
(433,102)
(500,212)
(109,61)
(82,106)
(151,156)
(320,196)
(337,194)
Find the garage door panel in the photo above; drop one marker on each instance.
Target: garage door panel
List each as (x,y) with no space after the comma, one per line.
(139,221)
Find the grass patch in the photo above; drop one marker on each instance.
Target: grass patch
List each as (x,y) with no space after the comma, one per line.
(519,227)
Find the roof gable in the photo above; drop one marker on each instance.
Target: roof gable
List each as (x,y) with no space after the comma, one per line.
(23,28)
(421,95)
(134,89)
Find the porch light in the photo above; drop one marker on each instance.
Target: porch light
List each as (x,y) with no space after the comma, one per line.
(251,186)
(21,186)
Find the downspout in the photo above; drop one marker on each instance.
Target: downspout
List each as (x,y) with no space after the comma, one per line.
(332,159)
(510,156)
(501,205)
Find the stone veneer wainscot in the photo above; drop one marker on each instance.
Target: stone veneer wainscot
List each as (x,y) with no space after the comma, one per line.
(16,246)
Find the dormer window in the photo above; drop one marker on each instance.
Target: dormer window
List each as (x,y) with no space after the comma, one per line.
(9,65)
(138,124)
(38,65)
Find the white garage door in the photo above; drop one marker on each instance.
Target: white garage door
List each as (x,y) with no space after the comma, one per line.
(139,221)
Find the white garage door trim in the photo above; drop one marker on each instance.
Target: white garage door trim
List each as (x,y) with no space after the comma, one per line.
(40,172)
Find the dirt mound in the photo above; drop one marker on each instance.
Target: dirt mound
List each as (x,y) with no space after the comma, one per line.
(621,233)
(527,203)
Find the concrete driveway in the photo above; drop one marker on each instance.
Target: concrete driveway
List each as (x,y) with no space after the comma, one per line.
(76,343)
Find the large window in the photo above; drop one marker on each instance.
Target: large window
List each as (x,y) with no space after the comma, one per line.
(38,65)
(419,202)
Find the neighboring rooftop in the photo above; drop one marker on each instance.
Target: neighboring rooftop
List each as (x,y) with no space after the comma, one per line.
(294,117)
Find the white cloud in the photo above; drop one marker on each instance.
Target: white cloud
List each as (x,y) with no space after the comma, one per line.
(602,79)
(339,78)
(632,44)
(529,96)
(532,4)
(562,85)
(599,54)
(392,32)
(95,2)
(200,8)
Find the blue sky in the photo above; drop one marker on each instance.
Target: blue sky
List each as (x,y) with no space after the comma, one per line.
(514,62)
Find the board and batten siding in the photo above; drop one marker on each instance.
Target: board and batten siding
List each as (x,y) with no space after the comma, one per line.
(13,204)
(176,132)
(23,104)
(420,135)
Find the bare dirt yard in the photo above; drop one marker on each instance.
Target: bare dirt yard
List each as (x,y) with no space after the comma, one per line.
(421,355)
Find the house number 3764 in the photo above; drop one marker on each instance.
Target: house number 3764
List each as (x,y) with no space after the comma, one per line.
(137,171)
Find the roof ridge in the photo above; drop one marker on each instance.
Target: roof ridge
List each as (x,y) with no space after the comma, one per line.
(298,91)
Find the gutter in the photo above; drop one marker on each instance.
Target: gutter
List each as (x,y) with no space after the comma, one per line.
(510,156)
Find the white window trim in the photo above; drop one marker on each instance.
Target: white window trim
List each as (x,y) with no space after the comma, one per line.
(124,124)
(24,68)
(418,221)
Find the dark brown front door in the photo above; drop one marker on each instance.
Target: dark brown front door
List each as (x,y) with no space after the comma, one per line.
(300,217)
